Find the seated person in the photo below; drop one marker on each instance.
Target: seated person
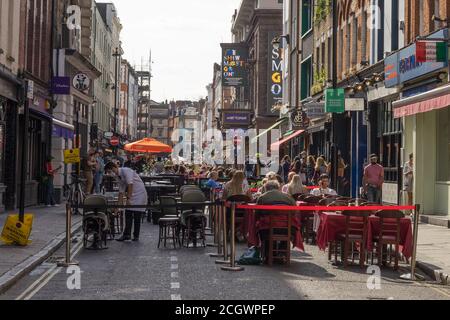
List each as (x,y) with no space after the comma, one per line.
(296,186)
(324,187)
(274,196)
(212,182)
(286,186)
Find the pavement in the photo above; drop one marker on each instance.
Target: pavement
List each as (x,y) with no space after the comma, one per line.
(433,252)
(48,234)
(141,271)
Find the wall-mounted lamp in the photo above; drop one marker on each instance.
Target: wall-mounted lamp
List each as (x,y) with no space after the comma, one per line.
(277,41)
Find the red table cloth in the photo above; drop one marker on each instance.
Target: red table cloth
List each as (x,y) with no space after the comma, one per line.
(332,224)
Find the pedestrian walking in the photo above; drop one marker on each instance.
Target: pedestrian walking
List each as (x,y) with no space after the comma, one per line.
(285,167)
(373,180)
(50,189)
(131,188)
(88,167)
(99,171)
(310,169)
(408,179)
(320,169)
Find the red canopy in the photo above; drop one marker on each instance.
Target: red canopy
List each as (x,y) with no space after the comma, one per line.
(148,145)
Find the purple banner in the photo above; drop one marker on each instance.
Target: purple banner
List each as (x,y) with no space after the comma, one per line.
(61,85)
(236,118)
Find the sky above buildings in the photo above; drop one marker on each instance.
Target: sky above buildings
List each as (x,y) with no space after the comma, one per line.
(184,37)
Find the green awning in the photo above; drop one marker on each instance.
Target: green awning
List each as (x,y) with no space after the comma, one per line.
(277,124)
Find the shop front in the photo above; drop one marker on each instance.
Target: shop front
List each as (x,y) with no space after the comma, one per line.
(427,127)
(418,124)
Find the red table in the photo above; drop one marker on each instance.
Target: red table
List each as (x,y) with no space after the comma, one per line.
(332,224)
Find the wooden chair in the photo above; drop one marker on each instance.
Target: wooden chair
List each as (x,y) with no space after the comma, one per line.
(278,235)
(356,226)
(240,214)
(389,235)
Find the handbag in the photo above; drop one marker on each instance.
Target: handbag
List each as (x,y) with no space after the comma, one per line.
(251,257)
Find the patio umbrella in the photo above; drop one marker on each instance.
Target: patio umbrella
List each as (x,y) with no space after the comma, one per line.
(148,145)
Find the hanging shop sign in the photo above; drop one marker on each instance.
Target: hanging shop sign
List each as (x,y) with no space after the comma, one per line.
(81,82)
(61,85)
(234,64)
(335,100)
(300,120)
(315,110)
(405,65)
(236,118)
(275,74)
(30,89)
(355,104)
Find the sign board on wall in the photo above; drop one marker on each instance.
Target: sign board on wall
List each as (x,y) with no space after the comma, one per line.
(275,73)
(315,110)
(61,85)
(404,66)
(234,64)
(355,104)
(236,118)
(335,100)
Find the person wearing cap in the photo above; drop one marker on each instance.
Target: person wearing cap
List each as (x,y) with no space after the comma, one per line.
(373,180)
(132,187)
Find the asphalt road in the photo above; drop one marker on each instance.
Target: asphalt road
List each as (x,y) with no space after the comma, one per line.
(141,271)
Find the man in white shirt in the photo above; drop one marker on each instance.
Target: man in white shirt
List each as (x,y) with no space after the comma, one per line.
(324,190)
(133,188)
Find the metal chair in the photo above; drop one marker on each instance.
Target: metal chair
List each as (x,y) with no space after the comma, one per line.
(193,220)
(96,224)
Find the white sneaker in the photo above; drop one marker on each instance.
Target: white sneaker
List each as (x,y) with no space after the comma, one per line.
(48,206)
(56,205)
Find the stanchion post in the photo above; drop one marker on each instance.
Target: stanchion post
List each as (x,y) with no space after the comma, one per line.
(224,237)
(413,276)
(217,233)
(233,266)
(68,261)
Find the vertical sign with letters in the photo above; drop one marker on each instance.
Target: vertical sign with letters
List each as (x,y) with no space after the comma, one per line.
(275,73)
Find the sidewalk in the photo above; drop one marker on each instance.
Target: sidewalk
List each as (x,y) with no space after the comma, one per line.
(433,252)
(47,236)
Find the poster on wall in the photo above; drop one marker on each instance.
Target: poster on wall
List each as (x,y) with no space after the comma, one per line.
(275,74)
(234,64)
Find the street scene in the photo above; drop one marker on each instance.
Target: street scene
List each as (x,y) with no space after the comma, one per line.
(212,150)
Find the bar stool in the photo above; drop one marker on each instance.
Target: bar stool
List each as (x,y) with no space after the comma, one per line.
(168,230)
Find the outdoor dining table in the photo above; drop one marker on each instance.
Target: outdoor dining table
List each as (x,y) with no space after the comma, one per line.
(333,223)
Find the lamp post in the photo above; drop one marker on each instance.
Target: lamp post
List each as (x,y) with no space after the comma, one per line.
(116,55)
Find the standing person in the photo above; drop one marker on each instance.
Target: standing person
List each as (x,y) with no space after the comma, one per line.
(88,166)
(133,189)
(310,168)
(342,181)
(373,180)
(408,179)
(50,189)
(320,169)
(285,168)
(99,170)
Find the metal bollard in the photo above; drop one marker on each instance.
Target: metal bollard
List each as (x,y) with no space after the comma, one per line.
(413,276)
(233,266)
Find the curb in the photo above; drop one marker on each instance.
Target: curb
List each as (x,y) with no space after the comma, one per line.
(439,221)
(436,275)
(11,277)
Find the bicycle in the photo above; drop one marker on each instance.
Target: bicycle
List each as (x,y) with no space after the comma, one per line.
(74,194)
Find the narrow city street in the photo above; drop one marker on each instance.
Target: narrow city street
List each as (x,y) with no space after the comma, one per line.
(140,271)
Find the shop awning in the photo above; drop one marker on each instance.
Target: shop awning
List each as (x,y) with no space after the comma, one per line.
(62,129)
(424,102)
(277,124)
(277,145)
